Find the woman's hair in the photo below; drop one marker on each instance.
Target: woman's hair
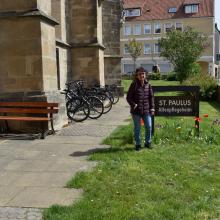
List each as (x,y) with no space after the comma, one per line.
(140,69)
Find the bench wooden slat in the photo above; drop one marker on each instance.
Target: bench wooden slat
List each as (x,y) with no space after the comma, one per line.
(28,110)
(28,104)
(17,118)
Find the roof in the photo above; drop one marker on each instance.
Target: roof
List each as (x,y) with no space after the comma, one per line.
(188,2)
(158,9)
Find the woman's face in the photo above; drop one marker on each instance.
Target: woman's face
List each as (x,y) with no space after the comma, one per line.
(141,75)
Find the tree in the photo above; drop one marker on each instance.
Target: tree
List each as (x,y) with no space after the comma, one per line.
(135,50)
(183,49)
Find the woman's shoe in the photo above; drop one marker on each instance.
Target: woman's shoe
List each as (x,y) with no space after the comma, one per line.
(137,147)
(148,145)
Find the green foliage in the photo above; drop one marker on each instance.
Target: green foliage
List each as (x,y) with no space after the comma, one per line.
(172,76)
(182,131)
(208,85)
(155,76)
(195,69)
(135,48)
(183,49)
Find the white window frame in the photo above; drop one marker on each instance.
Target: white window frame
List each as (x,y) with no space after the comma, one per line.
(127,25)
(150,47)
(139,32)
(190,9)
(149,25)
(157,52)
(172,10)
(197,8)
(165,27)
(155,25)
(125,49)
(181,25)
(128,12)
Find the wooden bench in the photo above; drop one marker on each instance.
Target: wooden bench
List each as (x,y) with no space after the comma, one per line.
(29,111)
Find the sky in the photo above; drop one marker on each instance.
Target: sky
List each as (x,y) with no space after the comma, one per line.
(217,12)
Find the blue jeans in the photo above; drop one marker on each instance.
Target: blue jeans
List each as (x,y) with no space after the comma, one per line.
(137,128)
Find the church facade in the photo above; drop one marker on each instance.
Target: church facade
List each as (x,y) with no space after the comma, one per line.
(45,44)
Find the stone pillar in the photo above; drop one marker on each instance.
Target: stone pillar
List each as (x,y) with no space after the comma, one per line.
(87,53)
(111,41)
(28,53)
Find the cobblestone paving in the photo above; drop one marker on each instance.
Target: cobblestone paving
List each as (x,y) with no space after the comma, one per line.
(86,130)
(8,213)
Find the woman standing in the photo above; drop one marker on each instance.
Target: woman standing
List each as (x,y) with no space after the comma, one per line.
(141,100)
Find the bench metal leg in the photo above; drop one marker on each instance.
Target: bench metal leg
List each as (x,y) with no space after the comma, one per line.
(7,129)
(43,132)
(52,127)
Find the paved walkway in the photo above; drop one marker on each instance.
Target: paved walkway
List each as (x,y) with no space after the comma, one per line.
(33,174)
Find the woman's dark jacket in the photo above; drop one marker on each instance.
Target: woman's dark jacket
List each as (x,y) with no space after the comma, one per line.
(142,96)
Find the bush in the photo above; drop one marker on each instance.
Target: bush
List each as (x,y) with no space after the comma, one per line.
(156,76)
(172,76)
(208,85)
(127,77)
(164,76)
(195,69)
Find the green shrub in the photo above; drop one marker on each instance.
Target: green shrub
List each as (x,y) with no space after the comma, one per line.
(172,76)
(195,69)
(127,77)
(156,76)
(208,85)
(163,76)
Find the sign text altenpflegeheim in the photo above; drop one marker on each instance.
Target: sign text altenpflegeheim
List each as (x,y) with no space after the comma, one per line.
(174,106)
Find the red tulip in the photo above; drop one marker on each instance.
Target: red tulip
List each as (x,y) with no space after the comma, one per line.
(205,115)
(198,119)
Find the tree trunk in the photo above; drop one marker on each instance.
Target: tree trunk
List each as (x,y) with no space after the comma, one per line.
(134,65)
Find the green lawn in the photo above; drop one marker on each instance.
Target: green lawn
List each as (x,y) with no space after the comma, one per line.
(126,83)
(178,179)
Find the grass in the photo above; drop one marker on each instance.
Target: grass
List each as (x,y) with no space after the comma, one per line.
(177,180)
(126,83)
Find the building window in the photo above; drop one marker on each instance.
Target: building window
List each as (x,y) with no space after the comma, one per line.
(179,26)
(168,27)
(126,49)
(189,9)
(172,10)
(147,29)
(217,57)
(137,29)
(157,48)
(157,28)
(127,30)
(134,12)
(147,49)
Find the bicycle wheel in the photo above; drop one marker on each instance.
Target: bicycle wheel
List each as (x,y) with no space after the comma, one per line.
(107,103)
(96,107)
(77,109)
(116,97)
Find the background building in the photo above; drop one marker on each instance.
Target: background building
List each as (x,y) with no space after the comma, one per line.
(46,43)
(217,52)
(150,20)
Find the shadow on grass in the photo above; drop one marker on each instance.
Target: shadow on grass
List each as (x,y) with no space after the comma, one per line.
(100,151)
(215,105)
